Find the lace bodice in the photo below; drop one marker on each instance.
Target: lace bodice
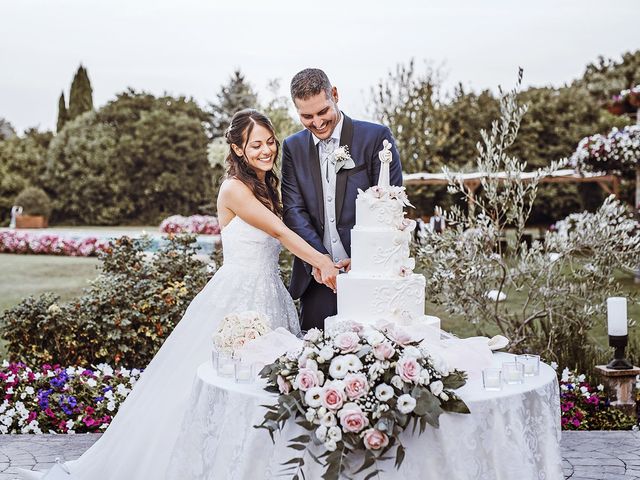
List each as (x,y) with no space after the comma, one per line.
(247,246)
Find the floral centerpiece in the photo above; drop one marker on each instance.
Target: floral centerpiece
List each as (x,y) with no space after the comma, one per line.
(357,391)
(199,224)
(236,329)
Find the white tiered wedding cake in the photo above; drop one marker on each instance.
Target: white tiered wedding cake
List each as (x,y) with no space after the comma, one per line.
(381,286)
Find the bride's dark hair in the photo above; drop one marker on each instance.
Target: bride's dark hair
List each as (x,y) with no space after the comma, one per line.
(238,134)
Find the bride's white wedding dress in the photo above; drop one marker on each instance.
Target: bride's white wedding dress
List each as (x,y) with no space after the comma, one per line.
(139,442)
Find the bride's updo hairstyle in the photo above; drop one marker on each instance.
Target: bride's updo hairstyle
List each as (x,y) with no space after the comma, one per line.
(238,134)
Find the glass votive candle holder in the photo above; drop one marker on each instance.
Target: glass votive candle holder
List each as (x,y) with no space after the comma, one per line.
(243,372)
(225,365)
(513,372)
(531,364)
(214,358)
(492,379)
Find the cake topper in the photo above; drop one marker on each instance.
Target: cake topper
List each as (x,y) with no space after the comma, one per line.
(386,158)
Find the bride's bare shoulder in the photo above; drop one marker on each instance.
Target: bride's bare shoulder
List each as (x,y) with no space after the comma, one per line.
(233,186)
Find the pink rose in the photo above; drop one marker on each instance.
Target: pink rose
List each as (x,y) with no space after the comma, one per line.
(238,343)
(356,385)
(375,439)
(332,397)
(398,335)
(408,369)
(383,351)
(353,419)
(251,334)
(283,385)
(306,379)
(347,342)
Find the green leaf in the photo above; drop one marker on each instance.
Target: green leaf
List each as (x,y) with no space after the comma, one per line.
(399,455)
(456,405)
(455,380)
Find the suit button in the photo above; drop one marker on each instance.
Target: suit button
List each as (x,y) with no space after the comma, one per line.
(334,240)
(329,198)
(332,220)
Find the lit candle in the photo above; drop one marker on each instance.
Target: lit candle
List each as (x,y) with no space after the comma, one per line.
(617,316)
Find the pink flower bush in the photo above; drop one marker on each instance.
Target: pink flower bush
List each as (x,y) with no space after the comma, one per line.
(200,224)
(50,244)
(52,399)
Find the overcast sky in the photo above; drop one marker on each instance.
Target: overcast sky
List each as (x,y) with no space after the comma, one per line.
(191,47)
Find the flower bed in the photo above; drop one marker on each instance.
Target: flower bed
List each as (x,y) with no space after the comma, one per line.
(61,400)
(49,244)
(585,407)
(200,224)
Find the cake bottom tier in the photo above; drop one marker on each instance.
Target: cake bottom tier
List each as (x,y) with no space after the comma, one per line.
(367,299)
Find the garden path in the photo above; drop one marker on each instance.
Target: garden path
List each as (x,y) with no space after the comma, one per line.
(586,455)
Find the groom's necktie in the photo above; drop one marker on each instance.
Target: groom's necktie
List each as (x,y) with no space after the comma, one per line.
(328,147)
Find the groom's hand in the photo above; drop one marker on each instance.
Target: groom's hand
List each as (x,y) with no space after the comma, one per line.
(316,275)
(344,264)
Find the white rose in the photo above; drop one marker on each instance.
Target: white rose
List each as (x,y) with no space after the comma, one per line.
(375,337)
(334,433)
(436,387)
(411,351)
(313,335)
(384,392)
(310,415)
(326,352)
(321,433)
(406,403)
(328,420)
(339,367)
(313,397)
(330,445)
(353,363)
(397,382)
(424,377)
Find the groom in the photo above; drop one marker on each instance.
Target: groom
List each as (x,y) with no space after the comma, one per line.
(320,183)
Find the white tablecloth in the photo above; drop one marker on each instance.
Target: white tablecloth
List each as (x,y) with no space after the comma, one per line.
(512,434)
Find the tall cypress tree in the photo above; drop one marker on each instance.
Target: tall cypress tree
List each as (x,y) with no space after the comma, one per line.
(63,114)
(235,95)
(81,95)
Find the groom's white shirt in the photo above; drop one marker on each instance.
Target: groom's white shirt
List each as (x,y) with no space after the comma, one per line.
(331,238)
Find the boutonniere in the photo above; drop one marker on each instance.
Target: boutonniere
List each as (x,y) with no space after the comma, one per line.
(342,158)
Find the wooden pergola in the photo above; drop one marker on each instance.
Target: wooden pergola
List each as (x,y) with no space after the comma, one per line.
(472,181)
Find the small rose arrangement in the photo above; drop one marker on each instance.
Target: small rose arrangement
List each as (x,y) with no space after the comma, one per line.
(236,329)
(357,390)
(54,399)
(391,193)
(199,224)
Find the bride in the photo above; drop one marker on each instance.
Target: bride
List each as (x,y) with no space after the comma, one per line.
(139,442)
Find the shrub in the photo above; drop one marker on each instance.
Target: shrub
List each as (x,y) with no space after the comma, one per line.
(34,201)
(121,319)
(562,282)
(52,399)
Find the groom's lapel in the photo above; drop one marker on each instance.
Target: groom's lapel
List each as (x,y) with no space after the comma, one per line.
(346,138)
(317,178)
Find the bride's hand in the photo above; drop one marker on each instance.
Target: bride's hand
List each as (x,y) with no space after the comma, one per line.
(328,274)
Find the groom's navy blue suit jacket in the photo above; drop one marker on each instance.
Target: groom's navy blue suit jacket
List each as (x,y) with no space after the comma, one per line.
(302,196)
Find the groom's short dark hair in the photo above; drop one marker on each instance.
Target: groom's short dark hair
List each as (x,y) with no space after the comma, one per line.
(308,83)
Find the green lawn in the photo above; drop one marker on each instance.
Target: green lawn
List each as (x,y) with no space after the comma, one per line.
(24,275)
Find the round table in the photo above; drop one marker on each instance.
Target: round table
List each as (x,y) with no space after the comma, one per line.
(510,434)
